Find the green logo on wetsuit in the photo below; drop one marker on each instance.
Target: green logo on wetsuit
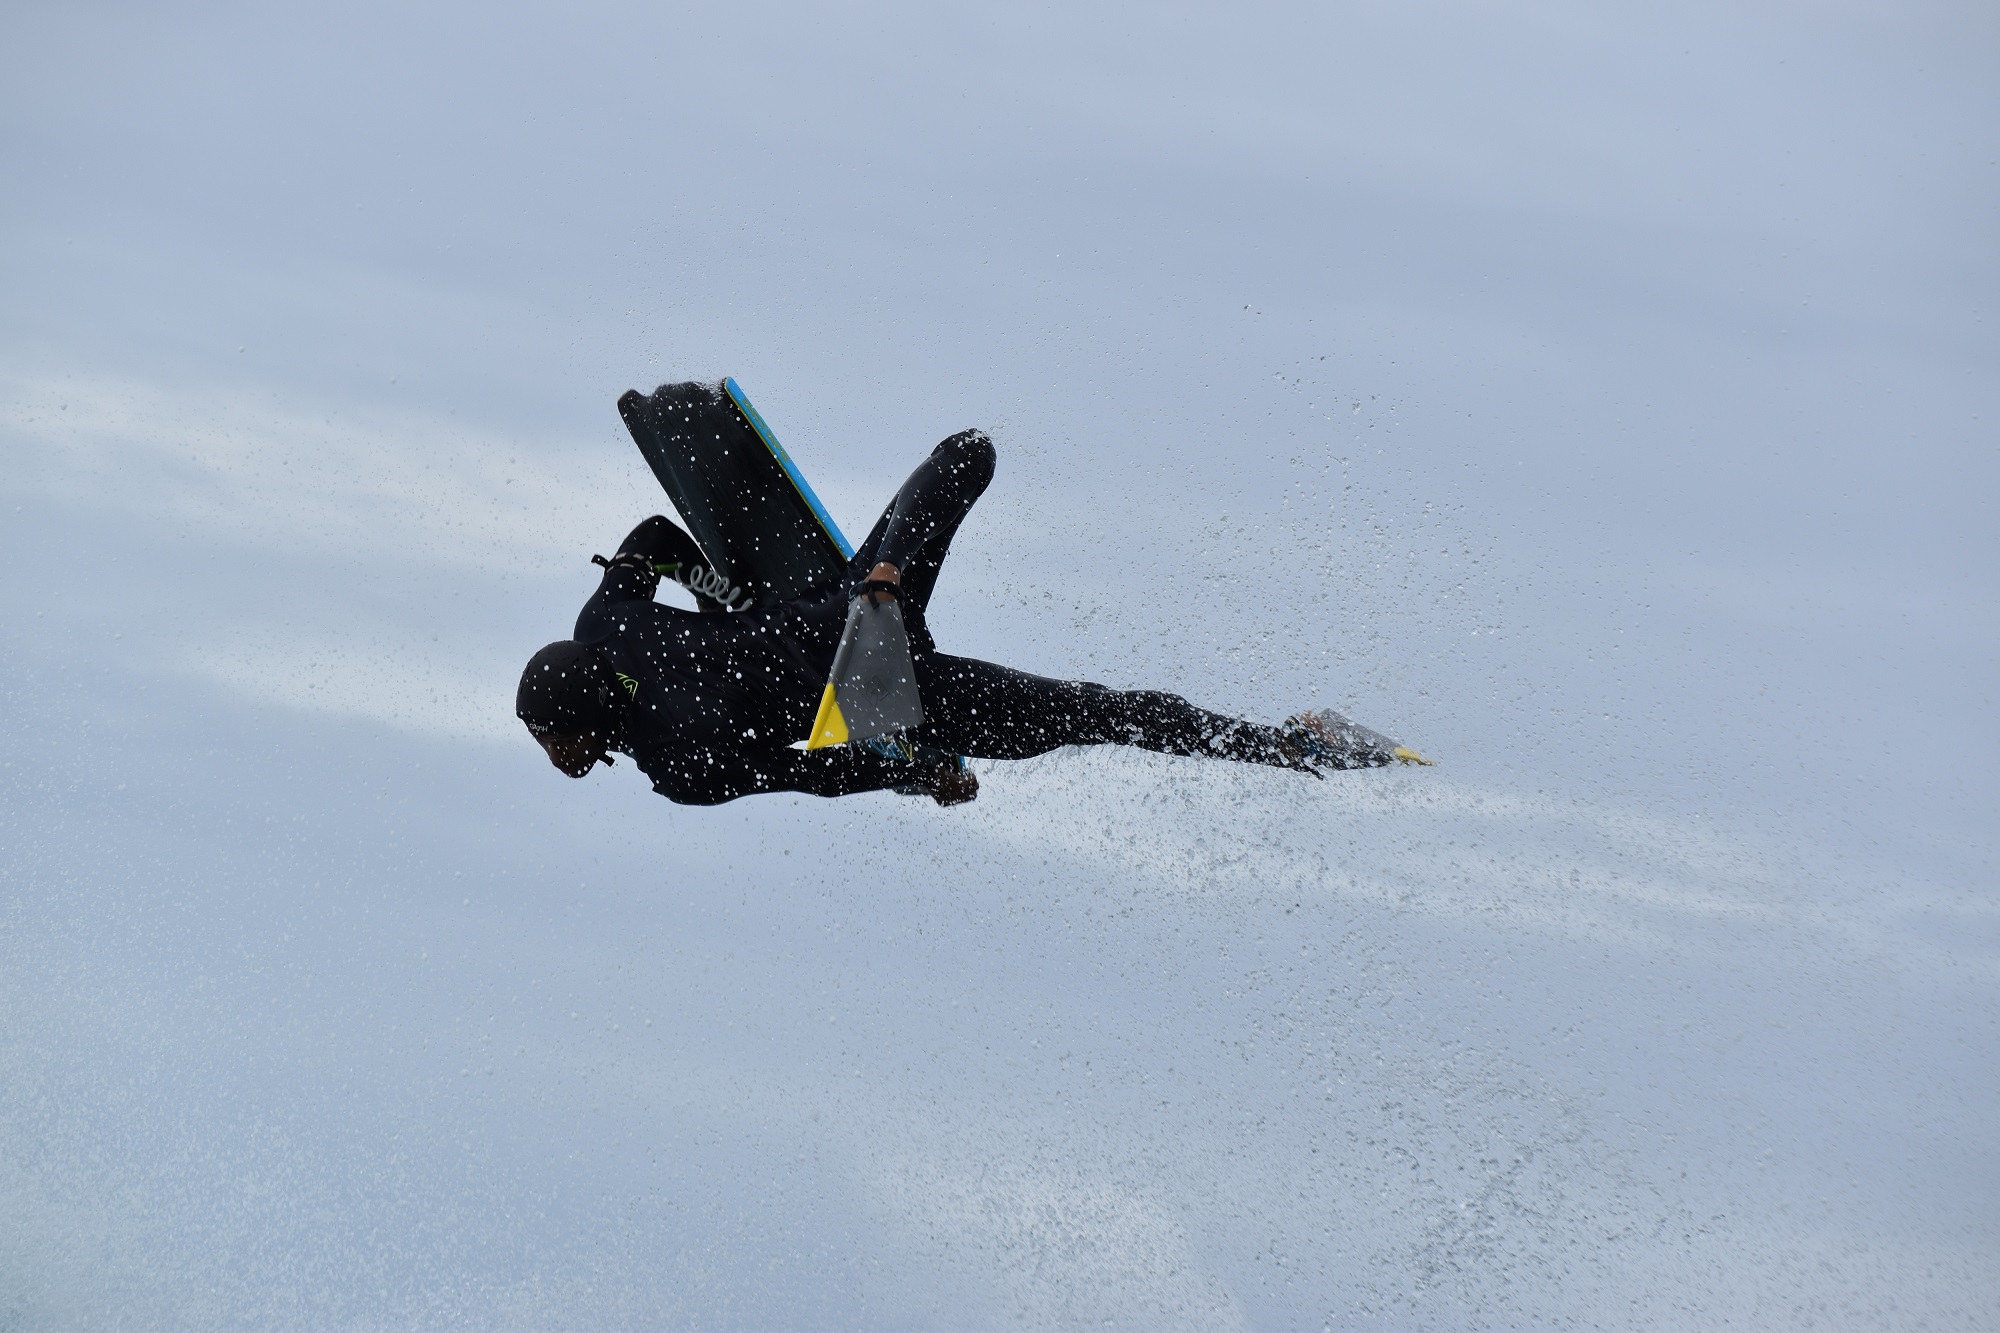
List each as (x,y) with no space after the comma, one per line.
(631,685)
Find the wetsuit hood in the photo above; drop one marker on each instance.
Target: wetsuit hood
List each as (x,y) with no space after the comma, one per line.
(569,687)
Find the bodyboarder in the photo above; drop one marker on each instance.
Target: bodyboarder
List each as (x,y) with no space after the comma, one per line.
(709,705)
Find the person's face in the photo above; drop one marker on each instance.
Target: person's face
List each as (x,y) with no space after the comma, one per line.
(575,753)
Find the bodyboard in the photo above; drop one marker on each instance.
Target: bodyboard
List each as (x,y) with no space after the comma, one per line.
(872,689)
(744,501)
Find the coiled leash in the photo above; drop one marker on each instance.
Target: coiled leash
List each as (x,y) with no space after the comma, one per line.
(705,582)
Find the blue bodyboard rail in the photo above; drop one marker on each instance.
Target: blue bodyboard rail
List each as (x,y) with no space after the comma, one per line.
(806,492)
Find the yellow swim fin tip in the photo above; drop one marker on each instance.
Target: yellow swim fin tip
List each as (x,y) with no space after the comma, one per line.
(829,728)
(1409,756)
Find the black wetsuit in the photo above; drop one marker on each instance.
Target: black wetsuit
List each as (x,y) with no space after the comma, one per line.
(716,700)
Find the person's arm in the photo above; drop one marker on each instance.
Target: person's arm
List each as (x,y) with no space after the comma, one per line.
(656,549)
(710,777)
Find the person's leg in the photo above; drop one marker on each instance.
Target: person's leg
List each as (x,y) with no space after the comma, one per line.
(915,531)
(987,711)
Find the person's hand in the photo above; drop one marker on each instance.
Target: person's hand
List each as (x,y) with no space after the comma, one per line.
(885,573)
(951,784)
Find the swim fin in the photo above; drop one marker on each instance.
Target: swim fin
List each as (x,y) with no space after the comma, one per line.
(872,690)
